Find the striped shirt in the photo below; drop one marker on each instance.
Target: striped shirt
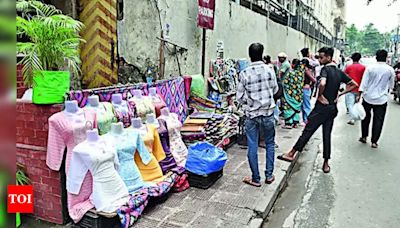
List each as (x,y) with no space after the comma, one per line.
(256,88)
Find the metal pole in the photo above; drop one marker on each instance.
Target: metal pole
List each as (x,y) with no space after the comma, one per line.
(203,53)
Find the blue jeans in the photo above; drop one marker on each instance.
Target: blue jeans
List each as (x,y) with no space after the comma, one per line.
(350,99)
(253,127)
(306,106)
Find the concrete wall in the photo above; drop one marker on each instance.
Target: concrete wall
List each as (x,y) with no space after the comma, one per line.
(235,25)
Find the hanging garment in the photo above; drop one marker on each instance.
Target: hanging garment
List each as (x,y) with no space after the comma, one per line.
(105,116)
(131,211)
(109,191)
(178,147)
(127,144)
(143,106)
(63,132)
(152,171)
(169,163)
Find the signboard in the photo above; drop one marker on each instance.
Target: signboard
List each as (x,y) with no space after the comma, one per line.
(205,16)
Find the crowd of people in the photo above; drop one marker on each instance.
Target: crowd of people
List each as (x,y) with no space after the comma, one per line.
(269,92)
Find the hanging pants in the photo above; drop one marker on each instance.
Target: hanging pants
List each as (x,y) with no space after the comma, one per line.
(321,115)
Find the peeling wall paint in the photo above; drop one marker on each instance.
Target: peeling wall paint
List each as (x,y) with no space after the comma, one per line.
(235,25)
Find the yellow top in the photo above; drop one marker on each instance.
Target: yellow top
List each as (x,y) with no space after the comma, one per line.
(152,171)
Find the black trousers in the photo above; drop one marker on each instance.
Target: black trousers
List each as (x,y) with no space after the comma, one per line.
(378,119)
(321,115)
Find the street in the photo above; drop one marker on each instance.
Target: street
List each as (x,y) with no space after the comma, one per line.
(362,189)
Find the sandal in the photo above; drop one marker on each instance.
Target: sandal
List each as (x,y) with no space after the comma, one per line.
(326,170)
(287,127)
(284,158)
(249,181)
(269,181)
(363,140)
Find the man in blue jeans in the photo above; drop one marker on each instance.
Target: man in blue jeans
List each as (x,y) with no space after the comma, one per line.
(256,88)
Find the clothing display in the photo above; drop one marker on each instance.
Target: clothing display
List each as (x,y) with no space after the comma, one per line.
(124,113)
(158,103)
(177,146)
(68,130)
(127,144)
(105,116)
(143,106)
(133,209)
(100,158)
(151,171)
(169,163)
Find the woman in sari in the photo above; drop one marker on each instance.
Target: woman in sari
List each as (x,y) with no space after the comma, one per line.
(293,94)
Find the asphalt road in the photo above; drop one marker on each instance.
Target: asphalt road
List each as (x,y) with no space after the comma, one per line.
(362,190)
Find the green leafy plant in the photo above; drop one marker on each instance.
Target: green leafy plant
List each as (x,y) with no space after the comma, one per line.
(21,178)
(54,39)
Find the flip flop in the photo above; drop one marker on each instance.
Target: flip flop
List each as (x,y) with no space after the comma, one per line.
(363,140)
(326,171)
(270,180)
(281,157)
(249,181)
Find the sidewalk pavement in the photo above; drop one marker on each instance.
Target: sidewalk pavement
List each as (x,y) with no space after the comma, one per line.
(229,202)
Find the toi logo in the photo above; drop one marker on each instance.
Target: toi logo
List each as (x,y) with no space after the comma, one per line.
(20,199)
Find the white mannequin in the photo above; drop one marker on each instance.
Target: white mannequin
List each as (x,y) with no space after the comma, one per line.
(137,125)
(71,106)
(117,128)
(116,98)
(73,113)
(165,111)
(137,93)
(94,101)
(153,94)
(119,104)
(92,135)
(151,119)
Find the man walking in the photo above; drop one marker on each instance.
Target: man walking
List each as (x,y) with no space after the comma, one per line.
(375,87)
(256,88)
(355,71)
(325,109)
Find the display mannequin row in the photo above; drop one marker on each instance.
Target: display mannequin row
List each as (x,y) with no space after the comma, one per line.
(102,152)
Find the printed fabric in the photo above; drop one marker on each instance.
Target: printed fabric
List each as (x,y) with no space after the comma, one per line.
(105,116)
(143,106)
(293,94)
(131,211)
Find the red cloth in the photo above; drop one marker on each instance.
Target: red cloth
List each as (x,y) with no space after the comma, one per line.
(188,82)
(356,72)
(181,183)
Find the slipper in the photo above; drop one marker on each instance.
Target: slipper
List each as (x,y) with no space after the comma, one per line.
(363,140)
(269,181)
(326,170)
(249,181)
(287,127)
(281,157)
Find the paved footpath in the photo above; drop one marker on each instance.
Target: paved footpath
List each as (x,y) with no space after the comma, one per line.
(229,202)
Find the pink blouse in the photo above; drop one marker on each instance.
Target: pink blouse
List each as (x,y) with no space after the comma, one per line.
(63,133)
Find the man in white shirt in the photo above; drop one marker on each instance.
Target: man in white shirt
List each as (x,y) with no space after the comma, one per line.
(375,88)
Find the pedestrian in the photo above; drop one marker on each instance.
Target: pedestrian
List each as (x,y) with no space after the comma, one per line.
(267,60)
(375,87)
(325,109)
(284,67)
(256,88)
(355,71)
(293,94)
(309,81)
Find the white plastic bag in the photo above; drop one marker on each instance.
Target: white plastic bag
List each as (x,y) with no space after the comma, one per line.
(357,112)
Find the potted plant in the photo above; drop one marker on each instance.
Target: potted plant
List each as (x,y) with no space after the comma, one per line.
(21,179)
(52,51)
